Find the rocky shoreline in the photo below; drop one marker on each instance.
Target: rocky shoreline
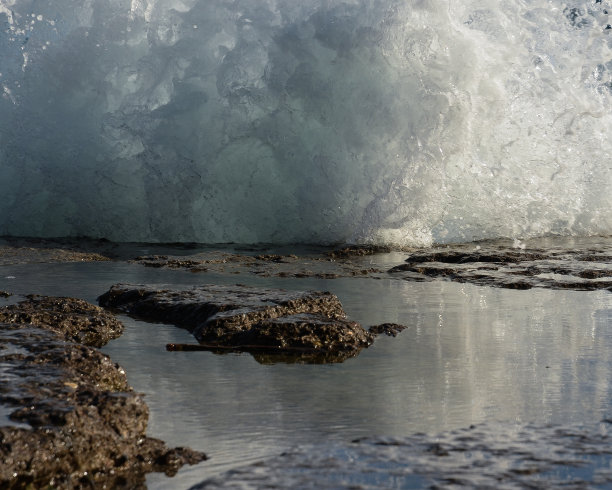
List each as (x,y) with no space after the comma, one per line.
(73,420)
(68,417)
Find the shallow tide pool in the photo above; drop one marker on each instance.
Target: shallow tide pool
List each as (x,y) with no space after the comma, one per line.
(470,354)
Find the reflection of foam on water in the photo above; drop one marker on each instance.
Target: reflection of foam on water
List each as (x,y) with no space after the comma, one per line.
(470,354)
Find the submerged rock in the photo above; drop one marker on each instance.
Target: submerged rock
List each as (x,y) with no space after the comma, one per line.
(307,326)
(74,421)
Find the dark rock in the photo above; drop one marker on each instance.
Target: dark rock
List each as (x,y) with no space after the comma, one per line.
(453,256)
(390,329)
(348,262)
(358,251)
(159,261)
(310,325)
(73,319)
(499,264)
(81,423)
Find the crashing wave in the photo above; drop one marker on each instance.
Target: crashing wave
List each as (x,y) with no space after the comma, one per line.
(319,121)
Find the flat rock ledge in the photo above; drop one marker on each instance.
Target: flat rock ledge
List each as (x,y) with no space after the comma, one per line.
(273,324)
(584,267)
(68,418)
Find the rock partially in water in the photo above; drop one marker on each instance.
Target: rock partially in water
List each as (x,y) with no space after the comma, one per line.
(15,250)
(72,319)
(358,251)
(304,326)
(488,456)
(74,421)
(347,262)
(389,329)
(585,266)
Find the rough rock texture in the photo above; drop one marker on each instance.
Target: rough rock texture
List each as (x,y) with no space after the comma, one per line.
(584,267)
(311,325)
(73,319)
(80,425)
(389,329)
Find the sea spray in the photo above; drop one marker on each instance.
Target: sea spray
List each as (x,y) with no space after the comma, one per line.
(316,121)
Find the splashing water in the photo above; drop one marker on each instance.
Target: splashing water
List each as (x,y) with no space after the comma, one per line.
(318,121)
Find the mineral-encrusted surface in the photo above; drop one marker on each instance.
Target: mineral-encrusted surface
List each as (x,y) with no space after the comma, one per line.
(73,420)
(310,325)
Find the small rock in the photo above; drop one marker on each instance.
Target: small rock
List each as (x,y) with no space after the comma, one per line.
(390,329)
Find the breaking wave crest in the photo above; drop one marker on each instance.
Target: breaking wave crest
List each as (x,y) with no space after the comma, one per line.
(320,121)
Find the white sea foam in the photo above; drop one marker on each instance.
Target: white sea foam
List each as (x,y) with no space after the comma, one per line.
(315,121)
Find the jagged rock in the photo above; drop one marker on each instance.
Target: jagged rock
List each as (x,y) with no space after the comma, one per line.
(312,325)
(80,425)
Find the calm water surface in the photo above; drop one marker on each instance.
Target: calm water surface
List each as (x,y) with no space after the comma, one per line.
(470,354)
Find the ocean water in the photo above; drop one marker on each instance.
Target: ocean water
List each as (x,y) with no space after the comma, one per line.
(469,355)
(321,121)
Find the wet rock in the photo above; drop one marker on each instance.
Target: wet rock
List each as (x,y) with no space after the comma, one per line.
(74,420)
(307,325)
(502,264)
(348,262)
(73,319)
(358,251)
(159,261)
(390,329)
(35,250)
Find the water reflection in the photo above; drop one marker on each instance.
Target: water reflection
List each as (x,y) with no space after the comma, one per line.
(470,354)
